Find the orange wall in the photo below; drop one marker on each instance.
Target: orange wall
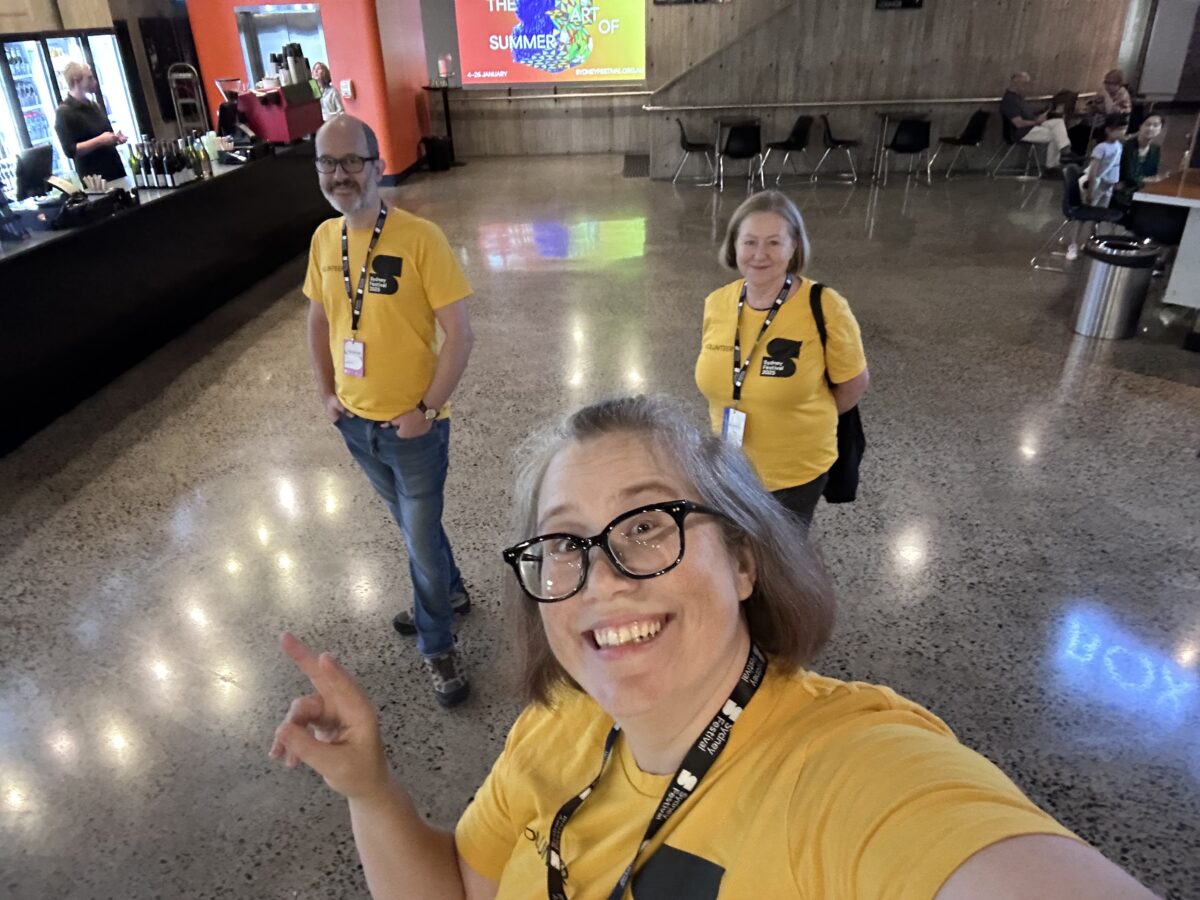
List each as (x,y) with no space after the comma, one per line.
(384,95)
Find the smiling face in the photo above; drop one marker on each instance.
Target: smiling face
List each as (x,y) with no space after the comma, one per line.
(641,646)
(765,247)
(348,192)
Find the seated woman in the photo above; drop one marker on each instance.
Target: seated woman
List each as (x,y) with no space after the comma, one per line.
(1113,99)
(675,742)
(1141,157)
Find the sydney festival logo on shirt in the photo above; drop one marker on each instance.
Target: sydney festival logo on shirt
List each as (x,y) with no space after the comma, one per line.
(385,274)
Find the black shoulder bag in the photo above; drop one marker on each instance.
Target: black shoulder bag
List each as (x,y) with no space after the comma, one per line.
(842,486)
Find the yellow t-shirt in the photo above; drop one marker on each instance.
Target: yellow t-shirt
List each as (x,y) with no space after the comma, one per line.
(791,416)
(412,273)
(826,789)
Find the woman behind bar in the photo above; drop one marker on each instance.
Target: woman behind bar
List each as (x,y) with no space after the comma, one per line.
(675,740)
(770,384)
(331,101)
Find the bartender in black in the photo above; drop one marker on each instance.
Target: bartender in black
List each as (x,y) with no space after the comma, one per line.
(83,129)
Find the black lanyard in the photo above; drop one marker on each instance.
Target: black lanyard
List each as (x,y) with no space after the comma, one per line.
(356,299)
(740,368)
(695,766)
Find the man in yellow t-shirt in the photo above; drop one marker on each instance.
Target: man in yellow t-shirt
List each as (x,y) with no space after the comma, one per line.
(381,281)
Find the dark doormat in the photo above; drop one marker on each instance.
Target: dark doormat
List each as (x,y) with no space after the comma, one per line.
(637,165)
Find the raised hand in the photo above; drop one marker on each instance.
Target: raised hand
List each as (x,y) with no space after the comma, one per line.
(335,730)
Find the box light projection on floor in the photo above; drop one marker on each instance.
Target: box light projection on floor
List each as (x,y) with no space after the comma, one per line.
(551,41)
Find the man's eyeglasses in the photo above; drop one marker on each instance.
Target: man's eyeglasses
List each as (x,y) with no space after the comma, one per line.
(643,543)
(351,163)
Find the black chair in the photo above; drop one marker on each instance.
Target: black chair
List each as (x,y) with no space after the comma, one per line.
(1009,131)
(689,147)
(832,142)
(972,136)
(910,139)
(796,142)
(1074,211)
(1063,104)
(742,142)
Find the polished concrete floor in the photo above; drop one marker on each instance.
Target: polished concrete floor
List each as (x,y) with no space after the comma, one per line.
(1024,557)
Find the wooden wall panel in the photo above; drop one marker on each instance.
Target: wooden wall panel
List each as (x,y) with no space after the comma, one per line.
(28,15)
(85,13)
(787,50)
(816,51)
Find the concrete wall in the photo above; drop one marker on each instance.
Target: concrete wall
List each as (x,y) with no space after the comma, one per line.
(787,50)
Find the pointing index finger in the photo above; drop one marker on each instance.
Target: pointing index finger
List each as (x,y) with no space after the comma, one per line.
(304,658)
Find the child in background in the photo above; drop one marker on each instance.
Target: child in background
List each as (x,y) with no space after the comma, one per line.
(1105,170)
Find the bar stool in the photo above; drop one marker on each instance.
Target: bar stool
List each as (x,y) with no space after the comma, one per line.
(796,142)
(1074,211)
(835,143)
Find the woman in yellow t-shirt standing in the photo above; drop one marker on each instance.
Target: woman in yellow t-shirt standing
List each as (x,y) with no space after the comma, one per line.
(762,366)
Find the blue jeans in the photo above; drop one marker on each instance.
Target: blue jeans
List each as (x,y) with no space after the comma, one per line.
(410,475)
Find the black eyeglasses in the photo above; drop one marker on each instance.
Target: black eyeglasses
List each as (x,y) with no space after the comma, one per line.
(351,163)
(643,543)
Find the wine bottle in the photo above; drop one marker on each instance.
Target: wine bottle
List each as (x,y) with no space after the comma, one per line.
(193,160)
(160,166)
(135,171)
(183,165)
(205,161)
(172,164)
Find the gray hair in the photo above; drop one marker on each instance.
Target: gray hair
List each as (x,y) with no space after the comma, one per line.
(790,611)
(782,206)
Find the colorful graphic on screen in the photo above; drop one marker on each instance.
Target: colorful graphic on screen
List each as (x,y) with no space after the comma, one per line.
(563,41)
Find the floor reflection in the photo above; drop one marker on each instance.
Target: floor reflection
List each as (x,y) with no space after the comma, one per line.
(541,246)
(1106,664)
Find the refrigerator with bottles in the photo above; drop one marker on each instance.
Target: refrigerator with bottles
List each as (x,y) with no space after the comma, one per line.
(32,86)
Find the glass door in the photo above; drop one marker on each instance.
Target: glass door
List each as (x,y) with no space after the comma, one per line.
(37,96)
(64,50)
(110,73)
(10,139)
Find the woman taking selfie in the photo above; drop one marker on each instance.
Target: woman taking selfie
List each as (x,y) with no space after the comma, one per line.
(674,742)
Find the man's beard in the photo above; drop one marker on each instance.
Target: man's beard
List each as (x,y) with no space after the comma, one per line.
(346,205)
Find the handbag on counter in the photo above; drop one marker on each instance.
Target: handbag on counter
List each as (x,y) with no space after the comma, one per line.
(842,486)
(84,209)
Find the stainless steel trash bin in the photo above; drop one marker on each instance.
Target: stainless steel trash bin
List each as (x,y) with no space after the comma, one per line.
(1114,287)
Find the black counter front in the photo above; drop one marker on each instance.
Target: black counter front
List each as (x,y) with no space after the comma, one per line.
(78,309)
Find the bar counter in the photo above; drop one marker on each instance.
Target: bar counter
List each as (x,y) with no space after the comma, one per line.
(79,307)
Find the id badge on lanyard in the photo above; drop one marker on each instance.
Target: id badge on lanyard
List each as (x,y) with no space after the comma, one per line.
(733,421)
(354,358)
(733,426)
(354,351)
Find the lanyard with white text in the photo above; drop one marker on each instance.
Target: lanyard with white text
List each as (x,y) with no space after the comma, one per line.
(740,368)
(356,299)
(695,766)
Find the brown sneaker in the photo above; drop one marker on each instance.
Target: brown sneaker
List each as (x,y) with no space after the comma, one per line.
(450,684)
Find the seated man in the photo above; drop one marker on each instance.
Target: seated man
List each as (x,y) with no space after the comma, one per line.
(1030,124)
